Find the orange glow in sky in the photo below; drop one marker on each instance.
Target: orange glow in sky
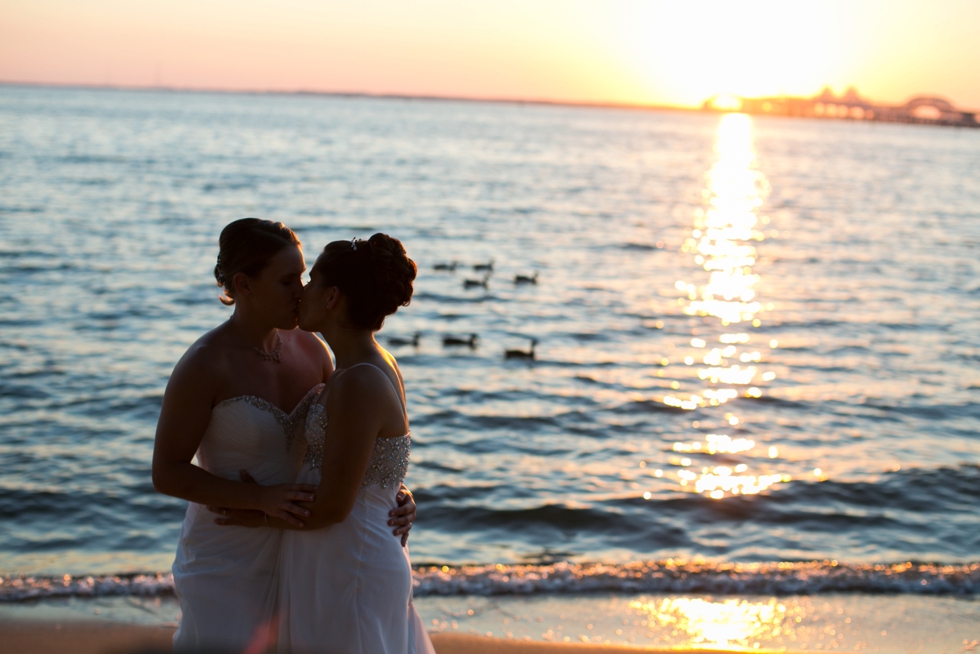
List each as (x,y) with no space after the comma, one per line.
(618,51)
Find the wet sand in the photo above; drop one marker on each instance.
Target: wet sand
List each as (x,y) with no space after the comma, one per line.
(32,637)
(474,625)
(90,637)
(465,644)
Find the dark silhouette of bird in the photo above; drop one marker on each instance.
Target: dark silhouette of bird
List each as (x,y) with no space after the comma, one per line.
(477,283)
(488,266)
(452,341)
(525,279)
(522,354)
(450,266)
(413,341)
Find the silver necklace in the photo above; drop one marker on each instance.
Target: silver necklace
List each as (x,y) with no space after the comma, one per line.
(275,355)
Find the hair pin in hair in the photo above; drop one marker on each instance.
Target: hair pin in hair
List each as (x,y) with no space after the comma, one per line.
(353,244)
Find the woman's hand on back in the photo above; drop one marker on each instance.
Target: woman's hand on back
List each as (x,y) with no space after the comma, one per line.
(279,500)
(402,517)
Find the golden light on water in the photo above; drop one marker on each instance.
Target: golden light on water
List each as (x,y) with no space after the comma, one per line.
(716,443)
(723,234)
(732,623)
(723,243)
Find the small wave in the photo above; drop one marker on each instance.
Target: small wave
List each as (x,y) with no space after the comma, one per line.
(886,511)
(647,406)
(921,326)
(782,402)
(929,412)
(642,247)
(19,589)
(227,186)
(22,391)
(668,577)
(454,299)
(332,227)
(805,578)
(89,159)
(802,325)
(588,337)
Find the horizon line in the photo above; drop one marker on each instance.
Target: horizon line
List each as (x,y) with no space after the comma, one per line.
(360,94)
(632,106)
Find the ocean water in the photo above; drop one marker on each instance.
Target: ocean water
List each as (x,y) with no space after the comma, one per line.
(757,366)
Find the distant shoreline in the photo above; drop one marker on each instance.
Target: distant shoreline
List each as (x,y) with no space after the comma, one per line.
(427,98)
(401,96)
(360,94)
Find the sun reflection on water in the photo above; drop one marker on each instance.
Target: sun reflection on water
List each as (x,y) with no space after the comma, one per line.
(723,244)
(729,623)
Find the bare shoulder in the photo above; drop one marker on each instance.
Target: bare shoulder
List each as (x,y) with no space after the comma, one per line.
(205,361)
(308,343)
(393,363)
(357,387)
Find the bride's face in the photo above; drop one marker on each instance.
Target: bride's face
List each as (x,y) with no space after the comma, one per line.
(276,290)
(318,300)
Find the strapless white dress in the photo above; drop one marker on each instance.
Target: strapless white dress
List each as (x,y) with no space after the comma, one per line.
(347,588)
(225,577)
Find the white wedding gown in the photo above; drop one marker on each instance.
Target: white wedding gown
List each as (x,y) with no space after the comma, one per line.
(347,588)
(226,577)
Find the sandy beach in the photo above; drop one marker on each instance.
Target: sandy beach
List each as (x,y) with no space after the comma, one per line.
(89,637)
(32,637)
(515,625)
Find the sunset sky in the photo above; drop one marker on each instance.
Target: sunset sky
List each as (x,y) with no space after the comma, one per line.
(620,51)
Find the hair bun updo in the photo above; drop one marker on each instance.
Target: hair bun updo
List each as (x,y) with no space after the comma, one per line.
(376,275)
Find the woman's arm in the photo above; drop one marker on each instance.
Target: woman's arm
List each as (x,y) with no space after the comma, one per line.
(401,518)
(184,418)
(355,420)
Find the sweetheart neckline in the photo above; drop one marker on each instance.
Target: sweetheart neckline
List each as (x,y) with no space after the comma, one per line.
(266,404)
(407,434)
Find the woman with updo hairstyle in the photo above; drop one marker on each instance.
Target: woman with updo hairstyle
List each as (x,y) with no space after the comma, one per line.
(230,441)
(375,276)
(344,584)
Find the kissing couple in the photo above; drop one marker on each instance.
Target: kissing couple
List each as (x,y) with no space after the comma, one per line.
(295,538)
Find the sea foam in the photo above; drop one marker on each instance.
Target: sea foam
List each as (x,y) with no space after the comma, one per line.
(662,577)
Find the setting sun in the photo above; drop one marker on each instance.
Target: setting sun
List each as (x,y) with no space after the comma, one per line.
(619,51)
(746,49)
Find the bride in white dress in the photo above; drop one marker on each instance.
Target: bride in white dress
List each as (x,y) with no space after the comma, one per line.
(224,404)
(345,583)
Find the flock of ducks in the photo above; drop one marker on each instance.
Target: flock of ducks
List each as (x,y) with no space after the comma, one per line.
(487,270)
(471,340)
(465,341)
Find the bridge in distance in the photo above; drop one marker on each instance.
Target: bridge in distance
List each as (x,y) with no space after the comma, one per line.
(923,110)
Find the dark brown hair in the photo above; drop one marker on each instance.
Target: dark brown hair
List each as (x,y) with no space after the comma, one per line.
(246,246)
(375,275)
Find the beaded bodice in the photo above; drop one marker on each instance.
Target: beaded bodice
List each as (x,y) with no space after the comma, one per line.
(291,423)
(389,459)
